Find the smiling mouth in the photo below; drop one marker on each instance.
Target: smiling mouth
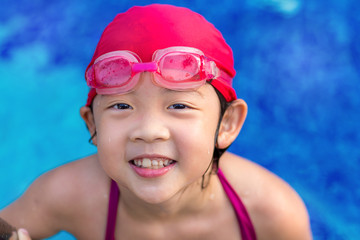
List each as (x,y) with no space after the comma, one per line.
(152,163)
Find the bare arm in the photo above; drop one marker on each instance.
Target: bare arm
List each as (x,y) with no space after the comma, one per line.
(72,197)
(32,210)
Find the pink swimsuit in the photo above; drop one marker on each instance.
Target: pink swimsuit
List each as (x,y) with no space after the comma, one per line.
(246,227)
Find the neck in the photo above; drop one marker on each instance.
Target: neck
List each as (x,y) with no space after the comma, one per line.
(188,201)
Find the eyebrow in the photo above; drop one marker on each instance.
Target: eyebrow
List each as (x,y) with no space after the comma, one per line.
(189,92)
(166,91)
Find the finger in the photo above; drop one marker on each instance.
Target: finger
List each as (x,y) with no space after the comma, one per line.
(23,234)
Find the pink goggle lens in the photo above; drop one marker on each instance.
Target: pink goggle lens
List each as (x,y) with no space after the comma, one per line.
(117,72)
(179,67)
(112,72)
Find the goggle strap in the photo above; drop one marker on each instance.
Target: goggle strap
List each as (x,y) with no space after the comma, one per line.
(225,78)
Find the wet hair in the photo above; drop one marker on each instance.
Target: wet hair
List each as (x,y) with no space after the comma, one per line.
(214,164)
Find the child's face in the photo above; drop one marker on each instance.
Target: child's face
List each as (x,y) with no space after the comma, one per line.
(157,124)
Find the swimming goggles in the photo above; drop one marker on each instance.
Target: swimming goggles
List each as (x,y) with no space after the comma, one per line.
(177,68)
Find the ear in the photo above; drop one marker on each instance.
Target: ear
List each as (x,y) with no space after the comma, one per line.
(231,123)
(88,117)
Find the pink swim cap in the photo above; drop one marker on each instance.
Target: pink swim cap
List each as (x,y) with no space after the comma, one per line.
(143,30)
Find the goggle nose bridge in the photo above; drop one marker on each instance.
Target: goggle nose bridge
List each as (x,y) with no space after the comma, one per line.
(144,67)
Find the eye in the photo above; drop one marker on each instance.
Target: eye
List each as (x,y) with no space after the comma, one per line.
(178,106)
(121,106)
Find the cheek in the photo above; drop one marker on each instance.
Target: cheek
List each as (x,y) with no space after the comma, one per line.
(110,146)
(197,140)
(108,134)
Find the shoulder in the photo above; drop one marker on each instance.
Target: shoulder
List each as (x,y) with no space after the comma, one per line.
(275,209)
(62,198)
(74,190)
(75,180)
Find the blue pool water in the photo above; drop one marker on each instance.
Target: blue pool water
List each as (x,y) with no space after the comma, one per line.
(298,68)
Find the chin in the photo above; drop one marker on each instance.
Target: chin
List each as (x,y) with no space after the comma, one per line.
(155,195)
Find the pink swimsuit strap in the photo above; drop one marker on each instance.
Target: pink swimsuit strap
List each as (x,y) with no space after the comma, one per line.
(245,224)
(246,227)
(112,211)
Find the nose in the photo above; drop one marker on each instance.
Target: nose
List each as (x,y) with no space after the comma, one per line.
(150,128)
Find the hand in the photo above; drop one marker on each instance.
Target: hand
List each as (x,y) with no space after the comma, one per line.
(23,234)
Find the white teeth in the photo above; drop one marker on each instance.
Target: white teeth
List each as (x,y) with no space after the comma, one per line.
(154,164)
(146,162)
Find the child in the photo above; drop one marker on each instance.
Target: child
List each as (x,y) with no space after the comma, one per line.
(162,112)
